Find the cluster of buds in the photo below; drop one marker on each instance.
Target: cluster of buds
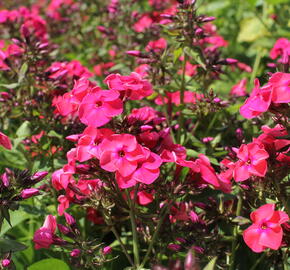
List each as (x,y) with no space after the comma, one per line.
(83,253)
(16,186)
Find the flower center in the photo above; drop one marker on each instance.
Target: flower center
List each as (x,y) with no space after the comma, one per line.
(264,226)
(121,153)
(98,104)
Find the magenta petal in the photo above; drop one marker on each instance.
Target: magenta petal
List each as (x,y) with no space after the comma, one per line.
(279,217)
(145,176)
(265,212)
(125,167)
(271,239)
(251,237)
(107,162)
(241,173)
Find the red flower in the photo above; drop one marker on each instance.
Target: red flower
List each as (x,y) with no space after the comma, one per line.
(266,231)
(156,45)
(97,109)
(252,162)
(132,86)
(120,152)
(43,237)
(239,89)
(258,102)
(147,170)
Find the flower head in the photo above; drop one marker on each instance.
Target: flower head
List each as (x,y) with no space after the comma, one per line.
(266,232)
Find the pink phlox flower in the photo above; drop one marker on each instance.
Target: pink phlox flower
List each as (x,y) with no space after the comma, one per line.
(258,102)
(146,172)
(142,70)
(174,97)
(156,45)
(239,89)
(97,109)
(120,152)
(143,23)
(43,237)
(281,48)
(88,141)
(252,161)
(133,87)
(266,232)
(202,170)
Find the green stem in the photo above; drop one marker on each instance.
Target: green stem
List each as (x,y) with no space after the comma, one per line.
(262,257)
(122,245)
(154,237)
(134,232)
(182,90)
(235,234)
(256,66)
(281,198)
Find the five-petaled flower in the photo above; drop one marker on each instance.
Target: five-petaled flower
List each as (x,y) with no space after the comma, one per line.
(266,232)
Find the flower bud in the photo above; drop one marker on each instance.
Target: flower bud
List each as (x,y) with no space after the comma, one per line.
(174,247)
(63,229)
(6,262)
(190,261)
(75,253)
(5,179)
(134,53)
(207,19)
(107,250)
(39,176)
(29,192)
(69,219)
(231,61)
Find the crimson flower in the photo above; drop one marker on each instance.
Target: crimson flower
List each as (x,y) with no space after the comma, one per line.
(266,232)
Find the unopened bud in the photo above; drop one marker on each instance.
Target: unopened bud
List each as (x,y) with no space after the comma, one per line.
(29,192)
(69,219)
(207,19)
(107,250)
(190,261)
(6,262)
(39,176)
(75,253)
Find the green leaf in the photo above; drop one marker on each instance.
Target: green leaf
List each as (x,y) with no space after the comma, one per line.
(275,2)
(251,30)
(10,86)
(176,54)
(52,133)
(15,218)
(7,245)
(241,220)
(22,72)
(252,2)
(6,215)
(211,264)
(48,264)
(24,130)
